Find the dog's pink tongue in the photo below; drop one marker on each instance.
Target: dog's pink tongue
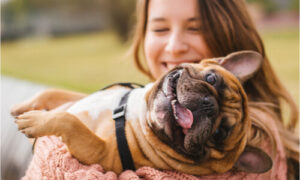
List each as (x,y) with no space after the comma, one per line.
(184,116)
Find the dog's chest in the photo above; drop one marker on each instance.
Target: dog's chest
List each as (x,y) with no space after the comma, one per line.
(95,111)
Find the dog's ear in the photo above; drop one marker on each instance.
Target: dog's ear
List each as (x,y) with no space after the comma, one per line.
(243,64)
(253,160)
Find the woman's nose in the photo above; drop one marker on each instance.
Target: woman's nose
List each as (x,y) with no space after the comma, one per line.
(176,44)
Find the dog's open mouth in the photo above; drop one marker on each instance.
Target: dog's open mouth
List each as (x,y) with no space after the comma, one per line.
(185,110)
(183,116)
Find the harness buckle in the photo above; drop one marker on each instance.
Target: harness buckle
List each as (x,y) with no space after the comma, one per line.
(119,112)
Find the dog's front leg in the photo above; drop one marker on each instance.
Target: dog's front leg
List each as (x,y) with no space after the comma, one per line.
(82,143)
(46,100)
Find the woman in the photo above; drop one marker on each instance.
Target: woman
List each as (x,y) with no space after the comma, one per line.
(172,32)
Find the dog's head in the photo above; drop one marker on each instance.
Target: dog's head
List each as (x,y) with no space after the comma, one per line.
(200,110)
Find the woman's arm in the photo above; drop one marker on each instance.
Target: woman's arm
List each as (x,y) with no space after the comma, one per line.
(47,100)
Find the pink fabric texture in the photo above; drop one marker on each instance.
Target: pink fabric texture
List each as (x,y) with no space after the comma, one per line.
(52,160)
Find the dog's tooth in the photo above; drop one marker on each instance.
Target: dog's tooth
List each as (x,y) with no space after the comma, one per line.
(175,116)
(174,109)
(168,89)
(173,102)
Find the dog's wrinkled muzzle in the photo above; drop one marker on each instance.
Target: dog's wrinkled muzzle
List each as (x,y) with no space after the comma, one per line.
(183,116)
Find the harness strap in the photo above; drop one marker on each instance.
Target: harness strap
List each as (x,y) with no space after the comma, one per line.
(127,84)
(119,117)
(123,148)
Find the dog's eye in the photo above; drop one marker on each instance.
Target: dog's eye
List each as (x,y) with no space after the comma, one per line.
(220,134)
(211,79)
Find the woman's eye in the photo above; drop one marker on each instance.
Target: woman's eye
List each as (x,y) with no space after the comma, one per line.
(196,29)
(160,30)
(211,79)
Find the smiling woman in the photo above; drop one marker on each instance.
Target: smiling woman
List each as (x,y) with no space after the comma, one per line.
(173,37)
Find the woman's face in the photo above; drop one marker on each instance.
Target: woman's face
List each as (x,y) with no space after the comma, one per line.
(173,35)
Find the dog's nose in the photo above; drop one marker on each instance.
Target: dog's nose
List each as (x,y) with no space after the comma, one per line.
(206,101)
(209,105)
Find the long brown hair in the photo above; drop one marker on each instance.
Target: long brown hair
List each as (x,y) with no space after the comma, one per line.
(227,27)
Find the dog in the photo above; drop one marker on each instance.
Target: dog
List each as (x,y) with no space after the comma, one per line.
(194,120)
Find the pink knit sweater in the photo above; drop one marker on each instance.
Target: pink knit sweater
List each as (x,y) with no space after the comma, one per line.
(52,160)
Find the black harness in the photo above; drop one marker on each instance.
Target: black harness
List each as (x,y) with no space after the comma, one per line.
(119,117)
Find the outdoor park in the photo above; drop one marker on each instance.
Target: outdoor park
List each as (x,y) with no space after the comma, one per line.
(88,61)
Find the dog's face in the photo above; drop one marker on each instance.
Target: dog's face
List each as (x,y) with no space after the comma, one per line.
(200,110)
(196,107)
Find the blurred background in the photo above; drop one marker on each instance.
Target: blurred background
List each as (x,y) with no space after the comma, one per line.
(82,45)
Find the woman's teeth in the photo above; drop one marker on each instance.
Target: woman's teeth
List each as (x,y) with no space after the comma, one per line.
(172,65)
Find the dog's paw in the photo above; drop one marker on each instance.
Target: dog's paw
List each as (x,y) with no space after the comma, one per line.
(33,124)
(23,107)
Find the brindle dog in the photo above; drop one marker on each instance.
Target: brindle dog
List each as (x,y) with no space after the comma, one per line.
(194,120)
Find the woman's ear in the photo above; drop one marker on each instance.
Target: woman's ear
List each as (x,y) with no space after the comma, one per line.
(253,160)
(243,64)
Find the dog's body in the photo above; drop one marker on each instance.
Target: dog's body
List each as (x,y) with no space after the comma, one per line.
(95,112)
(194,120)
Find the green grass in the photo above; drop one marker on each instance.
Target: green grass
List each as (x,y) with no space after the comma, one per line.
(282,48)
(83,63)
(88,62)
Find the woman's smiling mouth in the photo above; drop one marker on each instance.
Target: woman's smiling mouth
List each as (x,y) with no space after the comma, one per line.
(171,64)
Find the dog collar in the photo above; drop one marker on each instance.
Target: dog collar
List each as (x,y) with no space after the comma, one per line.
(119,117)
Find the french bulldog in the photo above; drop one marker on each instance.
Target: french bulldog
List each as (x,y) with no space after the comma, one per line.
(194,120)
